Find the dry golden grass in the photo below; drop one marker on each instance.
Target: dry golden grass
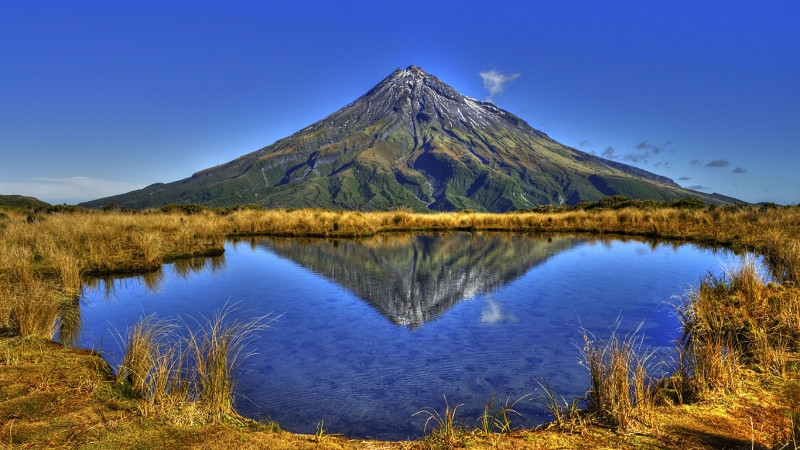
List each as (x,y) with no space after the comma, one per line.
(622,392)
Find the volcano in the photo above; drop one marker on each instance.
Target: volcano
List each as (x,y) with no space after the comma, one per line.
(412,141)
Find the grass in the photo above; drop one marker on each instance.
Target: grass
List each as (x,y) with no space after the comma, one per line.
(151,361)
(194,362)
(735,381)
(738,320)
(445,430)
(567,416)
(622,391)
(216,349)
(498,420)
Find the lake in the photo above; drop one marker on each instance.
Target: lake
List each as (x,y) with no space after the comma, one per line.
(371,331)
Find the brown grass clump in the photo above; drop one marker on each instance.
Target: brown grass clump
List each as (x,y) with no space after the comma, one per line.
(34,309)
(194,364)
(622,390)
(150,362)
(739,319)
(445,432)
(31,305)
(216,349)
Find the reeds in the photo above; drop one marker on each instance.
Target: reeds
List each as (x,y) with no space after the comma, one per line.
(622,390)
(567,416)
(498,419)
(216,348)
(445,430)
(195,362)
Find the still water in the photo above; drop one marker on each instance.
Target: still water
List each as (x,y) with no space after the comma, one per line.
(371,331)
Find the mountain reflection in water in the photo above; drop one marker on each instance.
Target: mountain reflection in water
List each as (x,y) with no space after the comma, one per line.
(413,278)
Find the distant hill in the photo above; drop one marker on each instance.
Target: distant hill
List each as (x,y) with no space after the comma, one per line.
(21,201)
(413,141)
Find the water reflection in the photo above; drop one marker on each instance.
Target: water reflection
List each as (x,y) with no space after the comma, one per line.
(153,281)
(414,278)
(69,322)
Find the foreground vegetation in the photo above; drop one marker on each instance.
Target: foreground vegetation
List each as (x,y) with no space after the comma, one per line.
(735,382)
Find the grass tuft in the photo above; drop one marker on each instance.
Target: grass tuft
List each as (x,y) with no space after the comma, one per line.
(622,391)
(445,430)
(498,420)
(567,416)
(167,364)
(216,348)
(151,359)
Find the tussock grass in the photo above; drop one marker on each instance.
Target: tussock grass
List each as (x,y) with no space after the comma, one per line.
(31,305)
(216,348)
(34,309)
(497,419)
(736,320)
(622,389)
(149,361)
(194,363)
(567,416)
(445,430)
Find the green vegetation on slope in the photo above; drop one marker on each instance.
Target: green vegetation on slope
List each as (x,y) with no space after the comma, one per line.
(22,202)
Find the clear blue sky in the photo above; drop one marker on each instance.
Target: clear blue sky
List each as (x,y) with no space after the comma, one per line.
(102,97)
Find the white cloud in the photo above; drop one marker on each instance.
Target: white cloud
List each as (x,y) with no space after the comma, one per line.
(68,190)
(495,81)
(493,314)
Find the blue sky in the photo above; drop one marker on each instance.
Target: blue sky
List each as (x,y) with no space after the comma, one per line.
(102,97)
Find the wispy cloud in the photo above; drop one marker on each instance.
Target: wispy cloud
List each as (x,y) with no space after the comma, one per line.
(634,157)
(69,190)
(684,178)
(698,187)
(696,162)
(652,148)
(584,143)
(739,170)
(644,152)
(495,82)
(718,163)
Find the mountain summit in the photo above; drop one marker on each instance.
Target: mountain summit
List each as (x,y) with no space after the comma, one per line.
(412,141)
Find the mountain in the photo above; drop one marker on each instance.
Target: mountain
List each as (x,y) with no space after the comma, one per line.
(412,141)
(413,279)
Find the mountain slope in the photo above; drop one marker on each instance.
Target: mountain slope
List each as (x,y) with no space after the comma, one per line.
(412,141)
